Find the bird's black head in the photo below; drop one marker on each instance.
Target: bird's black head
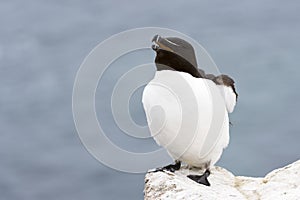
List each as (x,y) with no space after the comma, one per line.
(175,54)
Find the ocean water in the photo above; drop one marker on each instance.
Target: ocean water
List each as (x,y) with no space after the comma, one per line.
(43,43)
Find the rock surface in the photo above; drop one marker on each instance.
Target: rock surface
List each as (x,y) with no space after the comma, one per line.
(283,183)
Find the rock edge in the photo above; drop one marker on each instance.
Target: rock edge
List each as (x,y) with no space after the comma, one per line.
(282,183)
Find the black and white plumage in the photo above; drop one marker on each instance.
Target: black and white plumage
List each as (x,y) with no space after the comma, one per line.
(186,109)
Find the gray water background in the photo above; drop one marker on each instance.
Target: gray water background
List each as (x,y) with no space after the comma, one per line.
(42,44)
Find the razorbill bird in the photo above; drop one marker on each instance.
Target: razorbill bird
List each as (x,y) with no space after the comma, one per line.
(186,109)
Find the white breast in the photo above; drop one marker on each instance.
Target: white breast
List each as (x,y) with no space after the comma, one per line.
(187,116)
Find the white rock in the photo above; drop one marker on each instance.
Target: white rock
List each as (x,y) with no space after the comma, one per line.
(283,183)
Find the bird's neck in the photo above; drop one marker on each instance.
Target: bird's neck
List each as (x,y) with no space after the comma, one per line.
(170,61)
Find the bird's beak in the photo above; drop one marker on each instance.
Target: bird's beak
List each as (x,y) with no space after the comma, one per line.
(159,42)
(155,42)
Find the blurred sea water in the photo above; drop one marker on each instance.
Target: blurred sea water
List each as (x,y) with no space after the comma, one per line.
(42,44)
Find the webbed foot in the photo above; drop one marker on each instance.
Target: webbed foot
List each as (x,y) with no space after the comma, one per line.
(171,167)
(201,179)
